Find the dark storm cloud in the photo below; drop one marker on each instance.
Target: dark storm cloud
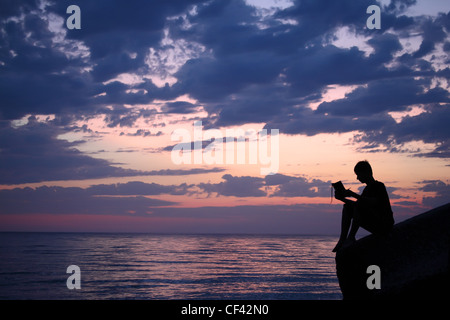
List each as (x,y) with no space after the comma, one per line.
(137,188)
(384,96)
(59,200)
(131,198)
(270,74)
(236,186)
(39,75)
(181,107)
(119,33)
(225,26)
(318,67)
(298,186)
(222,77)
(430,126)
(441,192)
(433,33)
(36,77)
(284,186)
(33,153)
(308,122)
(385,46)
(120,116)
(120,198)
(142,133)
(255,67)
(246,55)
(13,7)
(441,151)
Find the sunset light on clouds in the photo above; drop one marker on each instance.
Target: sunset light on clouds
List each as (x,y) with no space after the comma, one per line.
(87,115)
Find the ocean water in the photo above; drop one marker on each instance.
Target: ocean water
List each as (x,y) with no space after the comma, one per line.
(165,267)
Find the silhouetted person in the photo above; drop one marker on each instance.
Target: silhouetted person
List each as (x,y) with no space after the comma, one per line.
(371,210)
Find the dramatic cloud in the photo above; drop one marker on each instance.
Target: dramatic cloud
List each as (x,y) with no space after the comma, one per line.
(131,199)
(422,127)
(440,189)
(133,195)
(243,64)
(236,186)
(120,33)
(277,185)
(132,202)
(36,75)
(298,186)
(269,74)
(48,69)
(385,95)
(137,188)
(179,107)
(138,69)
(33,153)
(59,200)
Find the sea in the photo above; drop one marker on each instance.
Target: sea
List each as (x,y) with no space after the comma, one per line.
(119,266)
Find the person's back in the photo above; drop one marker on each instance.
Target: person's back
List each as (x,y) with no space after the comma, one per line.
(380,207)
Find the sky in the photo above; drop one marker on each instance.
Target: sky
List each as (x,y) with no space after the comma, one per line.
(230,116)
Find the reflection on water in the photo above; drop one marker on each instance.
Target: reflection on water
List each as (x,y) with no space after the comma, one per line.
(140,266)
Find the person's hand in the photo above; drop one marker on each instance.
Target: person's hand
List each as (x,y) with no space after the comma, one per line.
(348,193)
(339,195)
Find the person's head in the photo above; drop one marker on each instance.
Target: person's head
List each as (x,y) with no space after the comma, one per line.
(363,171)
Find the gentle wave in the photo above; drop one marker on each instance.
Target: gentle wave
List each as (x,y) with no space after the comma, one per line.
(149,266)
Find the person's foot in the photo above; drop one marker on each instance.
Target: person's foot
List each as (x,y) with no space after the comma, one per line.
(344,244)
(338,245)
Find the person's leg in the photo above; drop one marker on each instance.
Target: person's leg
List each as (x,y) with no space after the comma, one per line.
(347,215)
(346,222)
(367,217)
(355,223)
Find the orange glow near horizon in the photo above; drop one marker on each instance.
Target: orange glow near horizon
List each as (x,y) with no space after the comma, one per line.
(324,157)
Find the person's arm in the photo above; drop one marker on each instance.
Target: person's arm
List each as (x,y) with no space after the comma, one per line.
(350,193)
(369,200)
(342,196)
(372,201)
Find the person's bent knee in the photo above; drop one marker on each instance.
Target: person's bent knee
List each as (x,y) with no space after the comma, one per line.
(349,206)
(348,209)
(356,214)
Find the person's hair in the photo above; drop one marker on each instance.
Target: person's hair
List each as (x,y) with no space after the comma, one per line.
(363,166)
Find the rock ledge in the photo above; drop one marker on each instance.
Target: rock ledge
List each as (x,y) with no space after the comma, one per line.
(414,260)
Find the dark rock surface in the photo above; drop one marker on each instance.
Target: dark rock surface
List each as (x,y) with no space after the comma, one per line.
(414,260)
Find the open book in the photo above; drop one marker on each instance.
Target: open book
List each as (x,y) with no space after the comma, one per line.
(338,187)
